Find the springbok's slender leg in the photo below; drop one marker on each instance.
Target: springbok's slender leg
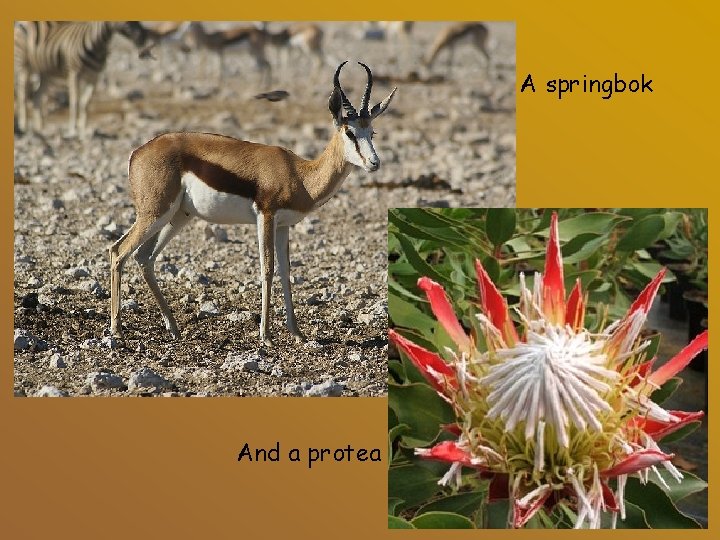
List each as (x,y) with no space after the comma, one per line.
(282,248)
(147,254)
(119,251)
(266,241)
(144,228)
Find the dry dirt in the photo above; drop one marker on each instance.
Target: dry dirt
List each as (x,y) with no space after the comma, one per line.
(447,141)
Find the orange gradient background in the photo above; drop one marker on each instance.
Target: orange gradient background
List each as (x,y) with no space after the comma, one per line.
(100,468)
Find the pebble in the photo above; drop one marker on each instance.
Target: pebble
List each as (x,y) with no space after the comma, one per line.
(110,342)
(327,389)
(295,389)
(241,316)
(208,309)
(78,272)
(214,232)
(104,380)
(57,361)
(248,361)
(24,341)
(131,305)
(313,345)
(146,378)
(50,391)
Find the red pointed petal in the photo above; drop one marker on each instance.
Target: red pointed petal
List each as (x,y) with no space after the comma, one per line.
(494,305)
(637,462)
(609,498)
(446,451)
(645,298)
(553,283)
(523,512)
(680,361)
(575,316)
(425,361)
(657,429)
(641,371)
(444,312)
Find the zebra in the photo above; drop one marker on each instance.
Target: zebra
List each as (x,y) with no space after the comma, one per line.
(46,51)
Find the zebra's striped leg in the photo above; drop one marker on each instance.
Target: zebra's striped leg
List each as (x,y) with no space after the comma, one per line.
(38,100)
(21,93)
(85,97)
(73,102)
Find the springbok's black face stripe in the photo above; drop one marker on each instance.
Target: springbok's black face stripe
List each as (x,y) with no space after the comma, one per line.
(352,137)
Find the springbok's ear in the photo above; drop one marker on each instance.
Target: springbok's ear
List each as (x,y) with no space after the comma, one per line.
(335,106)
(378,109)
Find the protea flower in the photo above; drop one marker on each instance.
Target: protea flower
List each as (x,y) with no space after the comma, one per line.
(550,410)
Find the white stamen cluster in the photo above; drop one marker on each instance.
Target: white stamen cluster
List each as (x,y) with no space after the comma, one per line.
(557,376)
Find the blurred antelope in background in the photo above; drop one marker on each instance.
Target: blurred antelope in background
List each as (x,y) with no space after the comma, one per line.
(178,176)
(304,37)
(474,33)
(194,36)
(48,51)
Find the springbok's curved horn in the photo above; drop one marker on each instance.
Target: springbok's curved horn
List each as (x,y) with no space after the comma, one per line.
(366,97)
(351,112)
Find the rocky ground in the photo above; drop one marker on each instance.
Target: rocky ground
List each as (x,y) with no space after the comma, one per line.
(446,140)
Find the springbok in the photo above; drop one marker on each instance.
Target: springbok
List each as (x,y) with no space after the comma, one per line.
(178,176)
(450,36)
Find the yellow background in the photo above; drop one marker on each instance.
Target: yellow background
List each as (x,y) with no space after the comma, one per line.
(164,468)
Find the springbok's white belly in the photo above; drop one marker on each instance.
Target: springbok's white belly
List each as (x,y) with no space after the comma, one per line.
(204,202)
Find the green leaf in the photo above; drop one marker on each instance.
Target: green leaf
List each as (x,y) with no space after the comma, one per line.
(405,314)
(500,225)
(411,484)
(465,504)
(678,490)
(642,234)
(634,518)
(393,434)
(671,223)
(398,523)
(422,267)
(593,222)
(666,390)
(426,217)
(581,247)
(420,407)
(497,514)
(442,520)
(681,433)
(415,230)
(402,291)
(660,512)
(393,502)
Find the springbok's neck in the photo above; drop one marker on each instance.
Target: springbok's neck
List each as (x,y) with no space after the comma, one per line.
(324,174)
